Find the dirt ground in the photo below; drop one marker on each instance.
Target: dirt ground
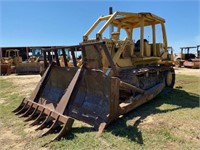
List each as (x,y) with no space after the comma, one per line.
(31,78)
(187,71)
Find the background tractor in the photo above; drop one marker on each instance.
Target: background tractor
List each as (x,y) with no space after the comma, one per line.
(33,64)
(187,58)
(10,61)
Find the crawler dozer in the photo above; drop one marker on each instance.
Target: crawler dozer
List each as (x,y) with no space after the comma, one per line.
(9,62)
(33,65)
(115,75)
(187,58)
(193,62)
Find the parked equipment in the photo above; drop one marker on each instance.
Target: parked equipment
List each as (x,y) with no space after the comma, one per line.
(116,76)
(5,66)
(170,57)
(9,62)
(193,62)
(188,59)
(33,65)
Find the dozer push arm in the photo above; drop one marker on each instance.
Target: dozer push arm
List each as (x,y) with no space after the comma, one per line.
(119,51)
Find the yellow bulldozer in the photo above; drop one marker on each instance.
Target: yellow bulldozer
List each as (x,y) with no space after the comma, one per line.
(120,70)
(10,61)
(34,63)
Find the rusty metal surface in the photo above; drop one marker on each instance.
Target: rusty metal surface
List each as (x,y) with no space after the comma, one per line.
(92,100)
(193,63)
(134,102)
(56,84)
(5,69)
(28,68)
(48,101)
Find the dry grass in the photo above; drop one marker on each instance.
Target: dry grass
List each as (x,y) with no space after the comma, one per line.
(170,121)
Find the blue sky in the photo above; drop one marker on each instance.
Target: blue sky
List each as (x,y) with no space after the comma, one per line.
(33,23)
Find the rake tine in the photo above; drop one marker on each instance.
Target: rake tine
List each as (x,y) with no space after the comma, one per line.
(65,129)
(27,112)
(45,123)
(101,128)
(31,116)
(22,109)
(37,120)
(53,126)
(19,107)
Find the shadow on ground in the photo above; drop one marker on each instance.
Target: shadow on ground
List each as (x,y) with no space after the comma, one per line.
(176,97)
(179,98)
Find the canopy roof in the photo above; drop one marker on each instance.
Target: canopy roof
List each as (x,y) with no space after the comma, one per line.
(125,20)
(133,20)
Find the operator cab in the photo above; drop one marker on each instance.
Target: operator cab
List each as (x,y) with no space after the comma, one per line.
(135,38)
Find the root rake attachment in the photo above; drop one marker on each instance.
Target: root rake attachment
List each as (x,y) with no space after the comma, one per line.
(39,108)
